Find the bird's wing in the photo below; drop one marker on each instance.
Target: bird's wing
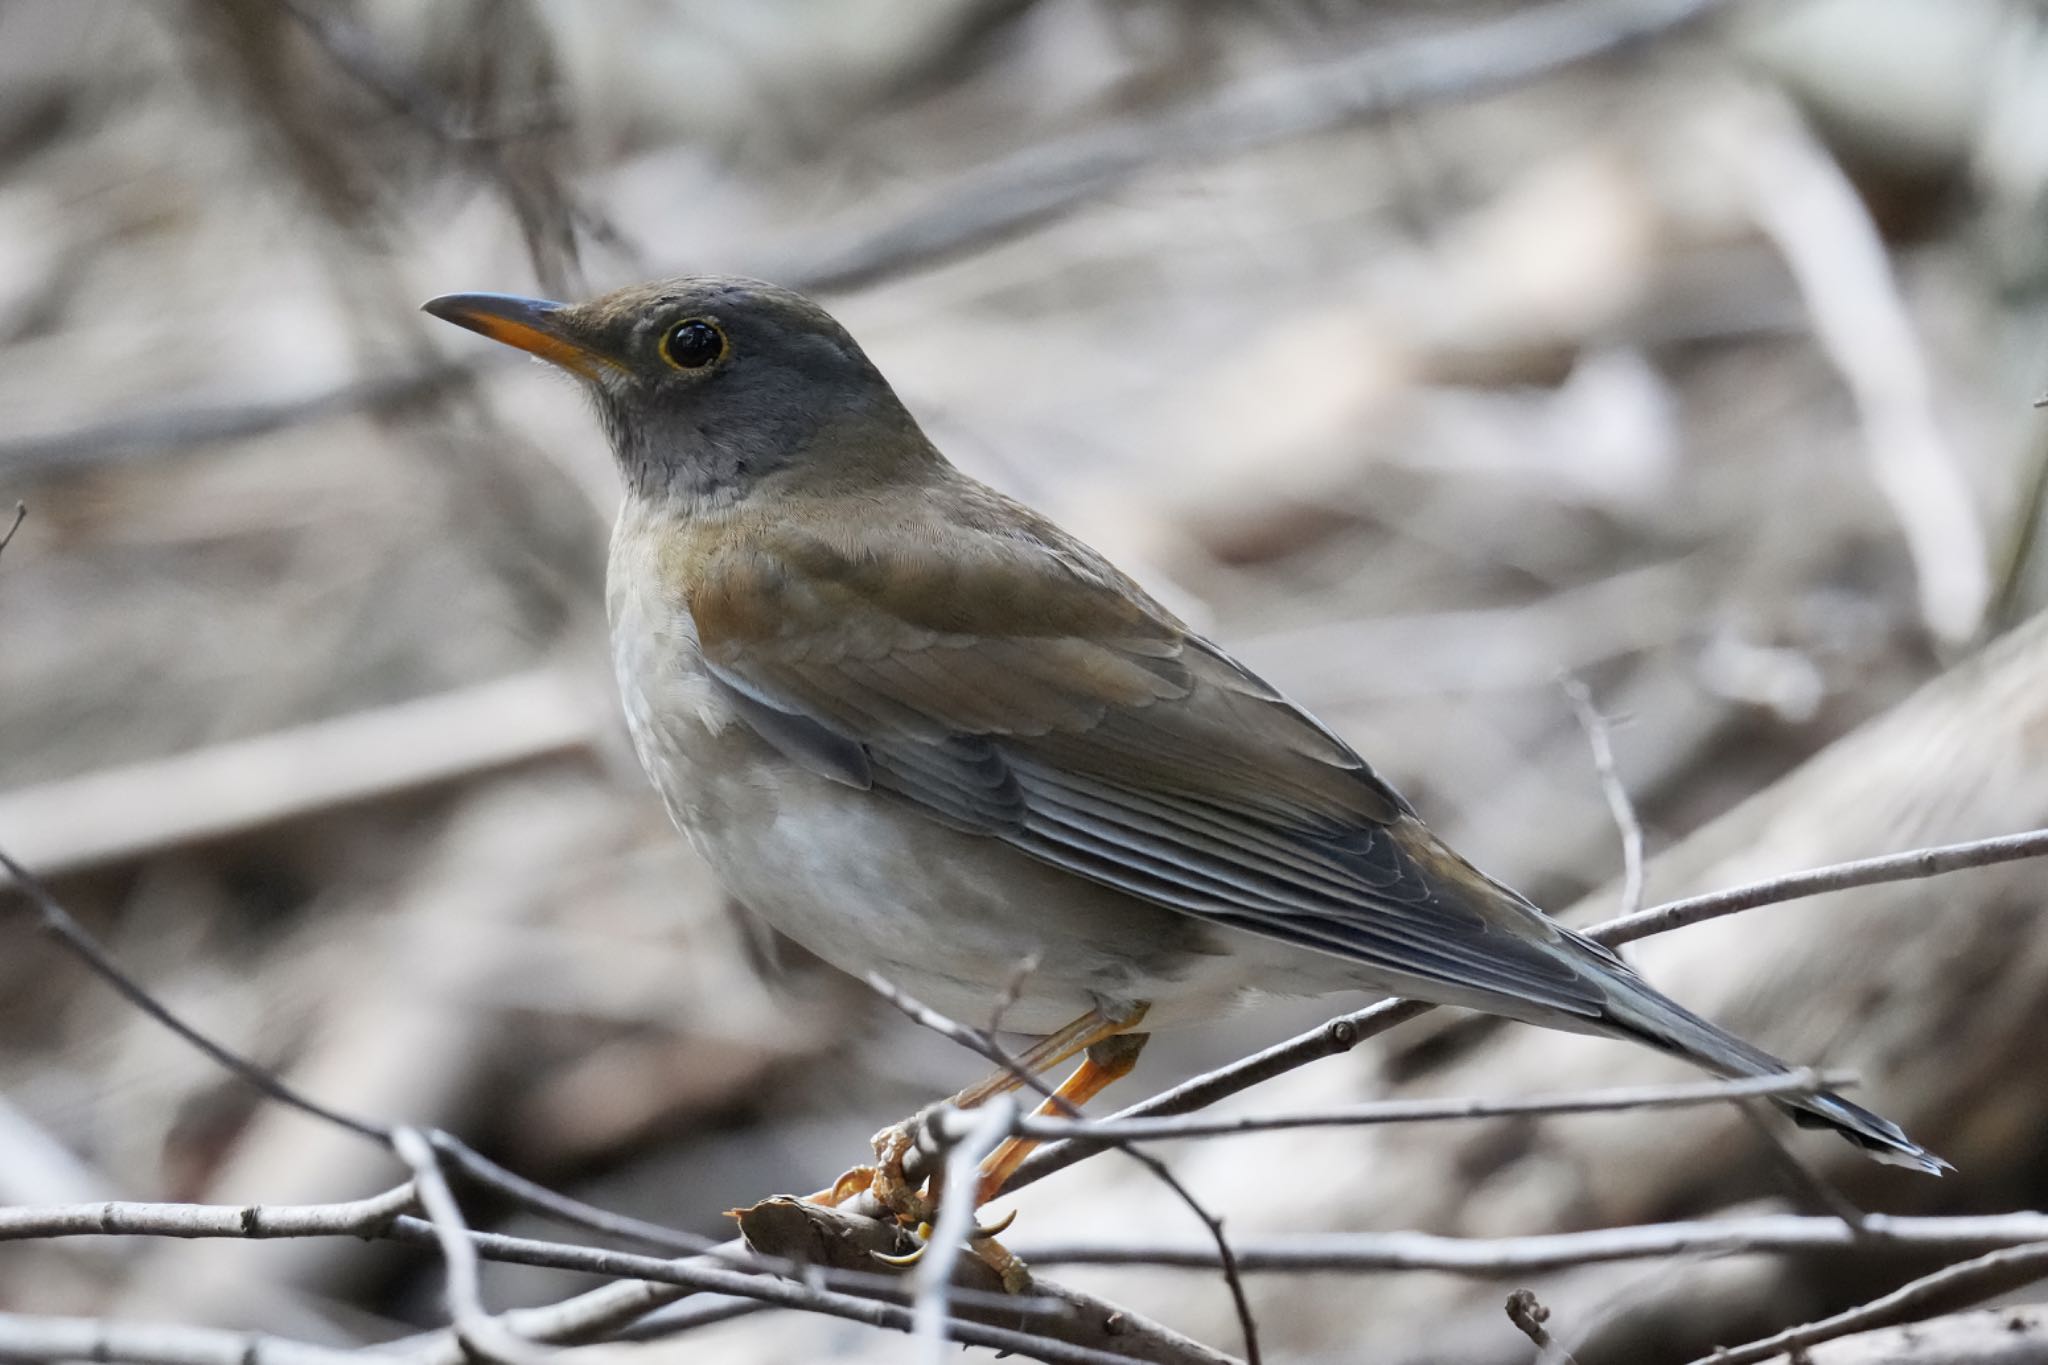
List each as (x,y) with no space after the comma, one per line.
(1008,682)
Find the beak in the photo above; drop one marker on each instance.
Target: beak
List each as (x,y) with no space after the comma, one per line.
(533,325)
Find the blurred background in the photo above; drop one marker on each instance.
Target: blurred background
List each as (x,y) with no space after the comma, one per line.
(1423,351)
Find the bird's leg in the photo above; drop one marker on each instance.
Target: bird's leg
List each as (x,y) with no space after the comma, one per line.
(1108,1061)
(886,1179)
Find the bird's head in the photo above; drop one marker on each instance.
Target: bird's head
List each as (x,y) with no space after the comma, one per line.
(710,385)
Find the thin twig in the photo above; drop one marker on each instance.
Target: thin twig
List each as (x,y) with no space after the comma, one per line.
(57,922)
(1345,1032)
(706,1310)
(1354,1251)
(26,1337)
(538,1198)
(20,515)
(1952,1287)
(984,1044)
(1599,738)
(1892,867)
(482,1333)
(1805,1183)
(1532,1319)
(934,1274)
(1803,1081)
(353,1218)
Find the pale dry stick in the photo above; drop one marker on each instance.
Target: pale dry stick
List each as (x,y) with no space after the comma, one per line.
(1806,205)
(246,784)
(1532,1320)
(26,1337)
(483,1334)
(1890,867)
(255,1222)
(1761,1233)
(955,1226)
(1346,1031)
(593,1315)
(983,1043)
(1682,1095)
(1952,1287)
(703,1311)
(1599,737)
(2016,1335)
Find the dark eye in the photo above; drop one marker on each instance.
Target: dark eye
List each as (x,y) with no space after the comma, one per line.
(693,343)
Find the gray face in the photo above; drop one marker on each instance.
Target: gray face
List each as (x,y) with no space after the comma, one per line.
(708,385)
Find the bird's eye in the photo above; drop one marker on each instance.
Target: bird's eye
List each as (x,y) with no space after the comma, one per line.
(693,343)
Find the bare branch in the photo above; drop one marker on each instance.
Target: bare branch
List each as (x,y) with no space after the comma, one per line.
(356,1218)
(482,1333)
(1805,1183)
(1989,1336)
(20,515)
(1804,1081)
(1551,1251)
(1893,867)
(955,1226)
(538,1198)
(1952,1287)
(28,1338)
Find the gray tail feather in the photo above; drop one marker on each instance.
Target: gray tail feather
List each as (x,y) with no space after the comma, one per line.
(1636,1009)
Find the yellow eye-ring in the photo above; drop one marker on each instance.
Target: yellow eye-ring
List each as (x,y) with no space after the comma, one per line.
(694,343)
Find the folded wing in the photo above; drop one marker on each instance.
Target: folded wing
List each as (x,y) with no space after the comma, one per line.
(1012,684)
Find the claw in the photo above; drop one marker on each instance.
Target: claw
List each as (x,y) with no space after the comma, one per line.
(856,1181)
(906,1260)
(982,1234)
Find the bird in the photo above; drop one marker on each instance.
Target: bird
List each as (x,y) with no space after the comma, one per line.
(937,740)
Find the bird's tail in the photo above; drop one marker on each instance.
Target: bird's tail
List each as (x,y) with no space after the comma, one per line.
(1638,1010)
